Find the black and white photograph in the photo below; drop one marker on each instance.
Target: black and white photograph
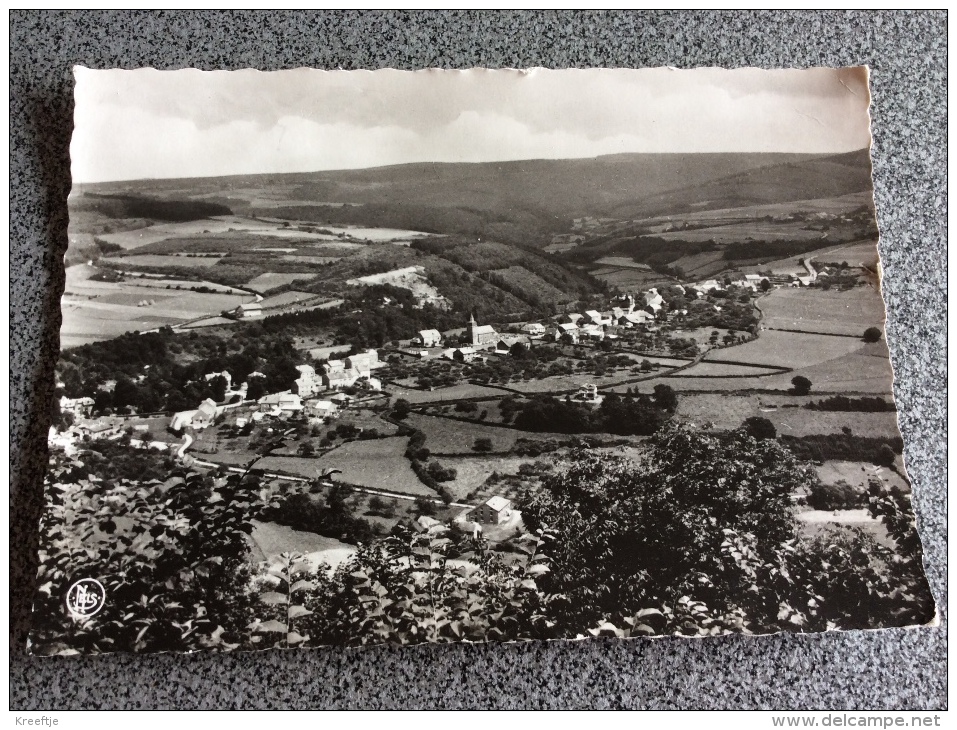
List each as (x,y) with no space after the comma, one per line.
(366,357)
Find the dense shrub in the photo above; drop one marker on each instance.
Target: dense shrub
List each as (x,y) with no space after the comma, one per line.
(865,404)
(842,447)
(835,496)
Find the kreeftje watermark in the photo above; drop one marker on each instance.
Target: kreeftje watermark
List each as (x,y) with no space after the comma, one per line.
(34,721)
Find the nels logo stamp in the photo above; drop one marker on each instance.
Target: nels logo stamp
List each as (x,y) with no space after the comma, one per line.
(85,598)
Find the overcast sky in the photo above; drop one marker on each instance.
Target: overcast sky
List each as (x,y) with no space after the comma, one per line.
(160,124)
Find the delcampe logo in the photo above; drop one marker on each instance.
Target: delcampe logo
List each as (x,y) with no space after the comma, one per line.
(85,598)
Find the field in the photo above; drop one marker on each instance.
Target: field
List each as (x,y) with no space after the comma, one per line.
(788,349)
(665,362)
(375,464)
(286,299)
(803,422)
(627,278)
(446,436)
(558,383)
(269,281)
(454,392)
(854,253)
(834,312)
(622,261)
(471,473)
(702,265)
(270,540)
(147,259)
(747,231)
(857,474)
(214,227)
(866,370)
(714,369)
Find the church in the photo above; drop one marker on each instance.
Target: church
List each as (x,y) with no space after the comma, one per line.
(481,336)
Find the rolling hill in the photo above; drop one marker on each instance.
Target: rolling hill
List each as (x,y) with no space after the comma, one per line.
(525,201)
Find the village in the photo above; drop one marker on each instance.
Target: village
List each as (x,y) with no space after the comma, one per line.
(355,417)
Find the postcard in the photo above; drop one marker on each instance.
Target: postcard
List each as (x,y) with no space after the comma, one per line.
(455,356)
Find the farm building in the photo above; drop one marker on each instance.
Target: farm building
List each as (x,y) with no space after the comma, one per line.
(588,392)
(654,300)
(337,375)
(703,287)
(343,373)
(567,329)
(494,511)
(284,402)
(253,309)
(430,338)
(79,407)
(506,342)
(592,332)
(205,414)
(364,361)
(321,408)
(635,318)
(534,329)
(98,428)
(460,354)
(308,383)
(597,318)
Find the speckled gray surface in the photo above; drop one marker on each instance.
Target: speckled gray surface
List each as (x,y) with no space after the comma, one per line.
(907,55)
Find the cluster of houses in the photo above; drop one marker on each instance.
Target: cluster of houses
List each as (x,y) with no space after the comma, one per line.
(333,376)
(594,325)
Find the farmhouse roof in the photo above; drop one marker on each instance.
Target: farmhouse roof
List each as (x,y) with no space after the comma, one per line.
(566,327)
(498,504)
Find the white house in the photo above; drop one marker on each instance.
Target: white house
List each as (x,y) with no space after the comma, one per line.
(363,362)
(635,318)
(505,342)
(567,329)
(285,403)
(703,287)
(459,354)
(654,300)
(252,309)
(204,415)
(79,407)
(494,511)
(308,383)
(592,331)
(430,338)
(597,318)
(534,329)
(321,408)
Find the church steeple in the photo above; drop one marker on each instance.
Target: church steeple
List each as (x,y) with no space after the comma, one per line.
(473,325)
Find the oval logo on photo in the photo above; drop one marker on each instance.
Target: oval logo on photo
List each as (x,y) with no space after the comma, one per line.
(85,598)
